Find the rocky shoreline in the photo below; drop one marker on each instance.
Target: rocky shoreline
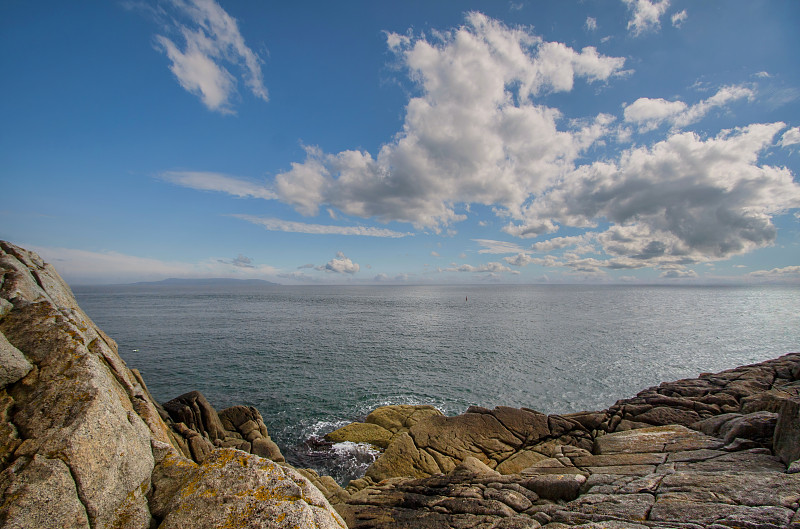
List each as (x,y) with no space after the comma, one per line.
(84,444)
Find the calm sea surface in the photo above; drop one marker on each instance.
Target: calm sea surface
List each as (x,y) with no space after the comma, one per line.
(314,358)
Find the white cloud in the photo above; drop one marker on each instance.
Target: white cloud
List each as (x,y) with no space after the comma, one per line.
(273,224)
(683,200)
(649,113)
(206,181)
(679,274)
(763,75)
(646,15)
(492,246)
(85,267)
(591,24)
(557,243)
(787,272)
(212,41)
(435,254)
(790,137)
(473,135)
(491,268)
(679,18)
(340,265)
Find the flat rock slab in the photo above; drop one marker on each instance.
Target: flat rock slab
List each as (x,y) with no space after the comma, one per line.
(608,460)
(735,487)
(673,438)
(678,510)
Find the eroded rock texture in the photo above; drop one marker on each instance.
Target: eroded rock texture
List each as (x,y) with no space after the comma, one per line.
(708,452)
(83,445)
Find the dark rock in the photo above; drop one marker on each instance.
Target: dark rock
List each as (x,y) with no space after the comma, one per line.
(786,442)
(193,410)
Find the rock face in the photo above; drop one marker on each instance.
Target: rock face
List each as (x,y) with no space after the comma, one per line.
(201,428)
(82,443)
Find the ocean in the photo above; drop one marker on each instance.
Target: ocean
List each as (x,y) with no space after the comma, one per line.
(313,358)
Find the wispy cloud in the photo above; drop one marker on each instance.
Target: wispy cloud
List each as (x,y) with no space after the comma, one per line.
(646,15)
(273,224)
(211,43)
(490,268)
(591,24)
(232,185)
(679,18)
(82,266)
(498,247)
(649,113)
(240,261)
(790,137)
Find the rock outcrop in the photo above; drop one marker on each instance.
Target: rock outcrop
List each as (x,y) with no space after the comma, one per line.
(383,425)
(83,444)
(708,452)
(201,429)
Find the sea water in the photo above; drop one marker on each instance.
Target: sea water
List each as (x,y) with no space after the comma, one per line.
(313,358)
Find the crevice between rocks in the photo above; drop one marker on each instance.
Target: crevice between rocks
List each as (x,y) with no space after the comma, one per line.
(79,490)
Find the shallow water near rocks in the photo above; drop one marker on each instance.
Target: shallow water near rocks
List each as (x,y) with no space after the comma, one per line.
(314,358)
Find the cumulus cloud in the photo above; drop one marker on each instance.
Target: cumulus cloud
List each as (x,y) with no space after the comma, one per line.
(557,243)
(649,113)
(679,18)
(646,15)
(787,272)
(473,135)
(679,274)
(211,41)
(340,265)
(273,224)
(84,267)
(790,137)
(206,181)
(680,201)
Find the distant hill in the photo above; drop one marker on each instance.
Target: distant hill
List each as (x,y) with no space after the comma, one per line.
(206,282)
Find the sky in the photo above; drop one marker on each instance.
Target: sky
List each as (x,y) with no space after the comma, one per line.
(415,142)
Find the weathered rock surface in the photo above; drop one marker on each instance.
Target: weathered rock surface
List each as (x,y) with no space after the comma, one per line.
(383,424)
(686,454)
(234,489)
(201,428)
(82,442)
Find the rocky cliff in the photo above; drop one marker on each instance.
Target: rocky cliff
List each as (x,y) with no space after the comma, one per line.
(83,445)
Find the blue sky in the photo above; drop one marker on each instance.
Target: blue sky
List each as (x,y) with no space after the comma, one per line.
(405,142)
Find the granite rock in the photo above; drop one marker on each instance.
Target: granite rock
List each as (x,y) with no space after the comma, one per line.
(84,445)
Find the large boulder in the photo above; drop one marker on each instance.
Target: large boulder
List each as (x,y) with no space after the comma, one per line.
(234,489)
(383,424)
